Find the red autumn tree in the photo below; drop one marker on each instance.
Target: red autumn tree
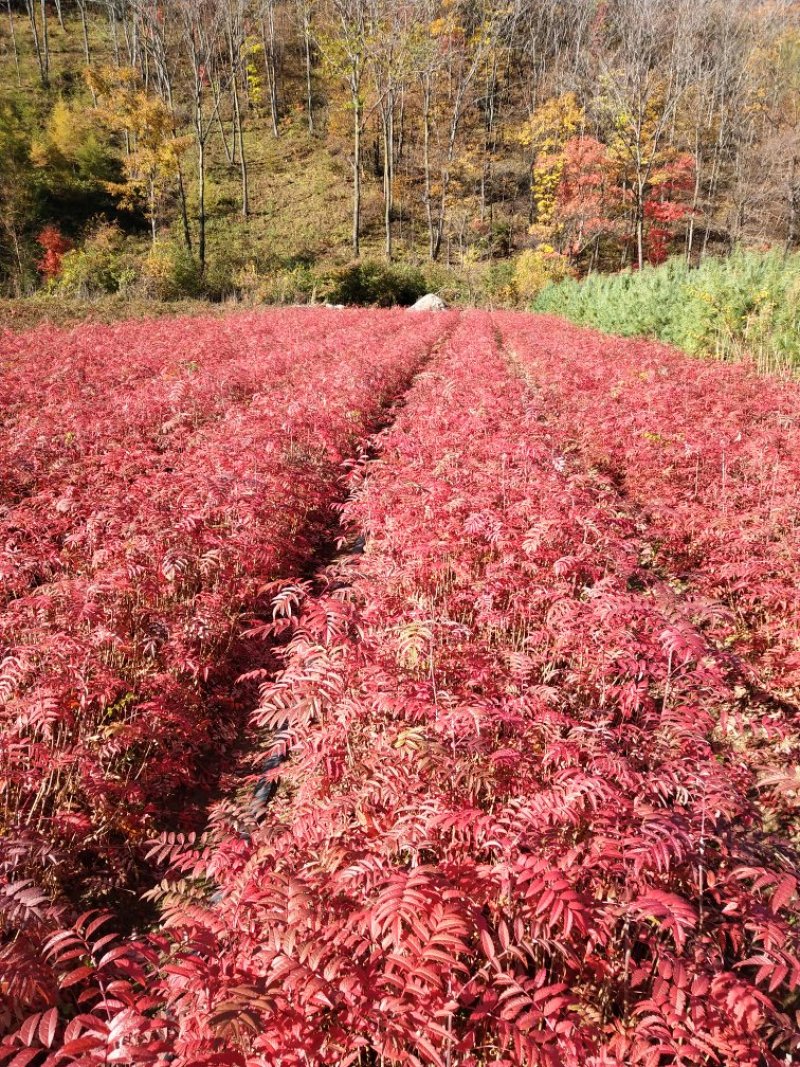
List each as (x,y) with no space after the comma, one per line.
(666,205)
(587,194)
(54,246)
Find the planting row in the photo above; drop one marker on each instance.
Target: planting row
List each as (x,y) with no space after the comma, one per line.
(709,456)
(496,818)
(155,491)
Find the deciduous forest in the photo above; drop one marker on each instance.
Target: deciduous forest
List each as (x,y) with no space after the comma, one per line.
(286,150)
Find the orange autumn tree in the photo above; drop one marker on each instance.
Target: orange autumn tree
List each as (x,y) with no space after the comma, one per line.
(151,161)
(588,196)
(574,179)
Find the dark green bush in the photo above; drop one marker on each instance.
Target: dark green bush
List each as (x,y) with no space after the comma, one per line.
(170,272)
(367,282)
(104,263)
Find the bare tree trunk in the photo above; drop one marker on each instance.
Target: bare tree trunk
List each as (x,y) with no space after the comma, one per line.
(308,62)
(45,42)
(238,123)
(230,153)
(201,132)
(712,190)
(18,255)
(163,78)
(13,33)
(87,53)
(187,233)
(695,199)
(37,46)
(152,201)
(201,199)
(445,179)
(308,66)
(112,21)
(440,221)
(387,121)
(270,63)
(243,170)
(794,205)
(131,38)
(357,123)
(203,40)
(426,162)
(401,128)
(595,254)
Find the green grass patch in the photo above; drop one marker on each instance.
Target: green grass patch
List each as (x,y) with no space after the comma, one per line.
(746,305)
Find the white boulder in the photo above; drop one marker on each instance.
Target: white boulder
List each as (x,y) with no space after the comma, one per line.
(429,302)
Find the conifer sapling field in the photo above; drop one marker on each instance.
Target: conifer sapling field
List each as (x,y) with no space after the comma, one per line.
(389,688)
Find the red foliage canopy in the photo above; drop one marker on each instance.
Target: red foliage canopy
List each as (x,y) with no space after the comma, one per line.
(55,246)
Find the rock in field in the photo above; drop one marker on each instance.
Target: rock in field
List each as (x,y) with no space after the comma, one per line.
(429,302)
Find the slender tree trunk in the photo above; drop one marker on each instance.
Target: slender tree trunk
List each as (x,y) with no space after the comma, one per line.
(112,20)
(694,202)
(201,133)
(445,180)
(309,70)
(794,204)
(440,221)
(695,199)
(201,203)
(639,222)
(187,233)
(87,53)
(625,244)
(401,128)
(37,45)
(426,164)
(357,122)
(166,85)
(244,175)
(595,254)
(13,33)
(11,228)
(490,146)
(230,153)
(712,190)
(152,199)
(273,86)
(131,38)
(388,172)
(270,63)
(145,70)
(238,129)
(59,14)
(45,41)
(308,59)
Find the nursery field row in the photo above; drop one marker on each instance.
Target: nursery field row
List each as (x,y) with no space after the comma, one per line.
(518,778)
(155,479)
(708,459)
